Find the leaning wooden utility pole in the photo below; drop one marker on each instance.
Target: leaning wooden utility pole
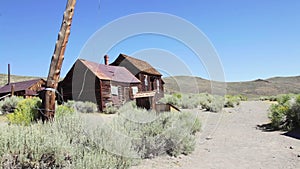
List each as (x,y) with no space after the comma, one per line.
(56,63)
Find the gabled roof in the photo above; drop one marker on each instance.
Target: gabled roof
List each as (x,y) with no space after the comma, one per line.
(108,72)
(19,86)
(140,65)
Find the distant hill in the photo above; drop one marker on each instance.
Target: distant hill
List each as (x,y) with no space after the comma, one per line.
(14,78)
(188,84)
(259,87)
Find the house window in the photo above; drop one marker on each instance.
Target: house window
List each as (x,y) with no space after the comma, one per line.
(146,82)
(134,89)
(114,90)
(157,85)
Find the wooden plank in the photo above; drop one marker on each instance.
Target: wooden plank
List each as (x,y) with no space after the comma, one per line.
(145,94)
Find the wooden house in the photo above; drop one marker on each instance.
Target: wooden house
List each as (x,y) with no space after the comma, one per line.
(26,88)
(151,79)
(99,83)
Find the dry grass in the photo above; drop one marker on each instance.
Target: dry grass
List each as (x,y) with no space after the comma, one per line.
(14,78)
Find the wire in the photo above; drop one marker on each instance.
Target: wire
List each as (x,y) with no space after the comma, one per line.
(57,92)
(82,84)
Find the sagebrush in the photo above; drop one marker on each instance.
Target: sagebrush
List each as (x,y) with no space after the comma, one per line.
(82,107)
(286,114)
(9,104)
(163,133)
(68,142)
(205,101)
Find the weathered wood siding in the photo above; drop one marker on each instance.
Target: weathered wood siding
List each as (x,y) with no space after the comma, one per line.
(38,86)
(149,83)
(82,85)
(105,93)
(124,92)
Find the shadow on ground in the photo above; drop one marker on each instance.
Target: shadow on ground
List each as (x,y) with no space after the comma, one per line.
(266,127)
(295,133)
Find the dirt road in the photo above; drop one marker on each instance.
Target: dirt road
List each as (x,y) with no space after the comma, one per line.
(237,143)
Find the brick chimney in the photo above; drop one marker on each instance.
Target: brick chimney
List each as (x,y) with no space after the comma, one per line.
(106,59)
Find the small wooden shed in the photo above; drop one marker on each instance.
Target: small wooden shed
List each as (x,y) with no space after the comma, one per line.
(26,88)
(99,83)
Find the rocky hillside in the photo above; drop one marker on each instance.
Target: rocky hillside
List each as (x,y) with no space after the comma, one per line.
(259,87)
(188,84)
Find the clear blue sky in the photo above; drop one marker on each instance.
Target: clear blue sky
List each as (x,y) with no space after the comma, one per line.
(254,38)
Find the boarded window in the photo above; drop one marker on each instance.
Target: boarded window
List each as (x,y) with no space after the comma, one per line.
(114,90)
(134,89)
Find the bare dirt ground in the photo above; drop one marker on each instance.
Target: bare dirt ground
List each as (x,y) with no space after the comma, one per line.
(236,143)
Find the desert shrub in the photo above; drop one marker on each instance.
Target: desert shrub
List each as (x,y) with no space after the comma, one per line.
(242,97)
(286,114)
(110,109)
(283,99)
(263,98)
(176,144)
(27,110)
(9,104)
(196,127)
(156,134)
(1,111)
(273,98)
(177,95)
(232,101)
(67,143)
(82,107)
(213,103)
(63,110)
(229,102)
(181,140)
(293,115)
(189,101)
(268,98)
(170,99)
(64,143)
(278,114)
(206,101)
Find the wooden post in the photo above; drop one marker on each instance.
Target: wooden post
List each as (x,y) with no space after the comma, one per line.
(56,62)
(12,89)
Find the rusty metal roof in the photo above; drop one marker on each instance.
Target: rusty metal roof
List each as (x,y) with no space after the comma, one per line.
(108,72)
(141,65)
(19,86)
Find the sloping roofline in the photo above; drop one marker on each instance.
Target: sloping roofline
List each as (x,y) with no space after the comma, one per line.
(19,86)
(140,65)
(108,72)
